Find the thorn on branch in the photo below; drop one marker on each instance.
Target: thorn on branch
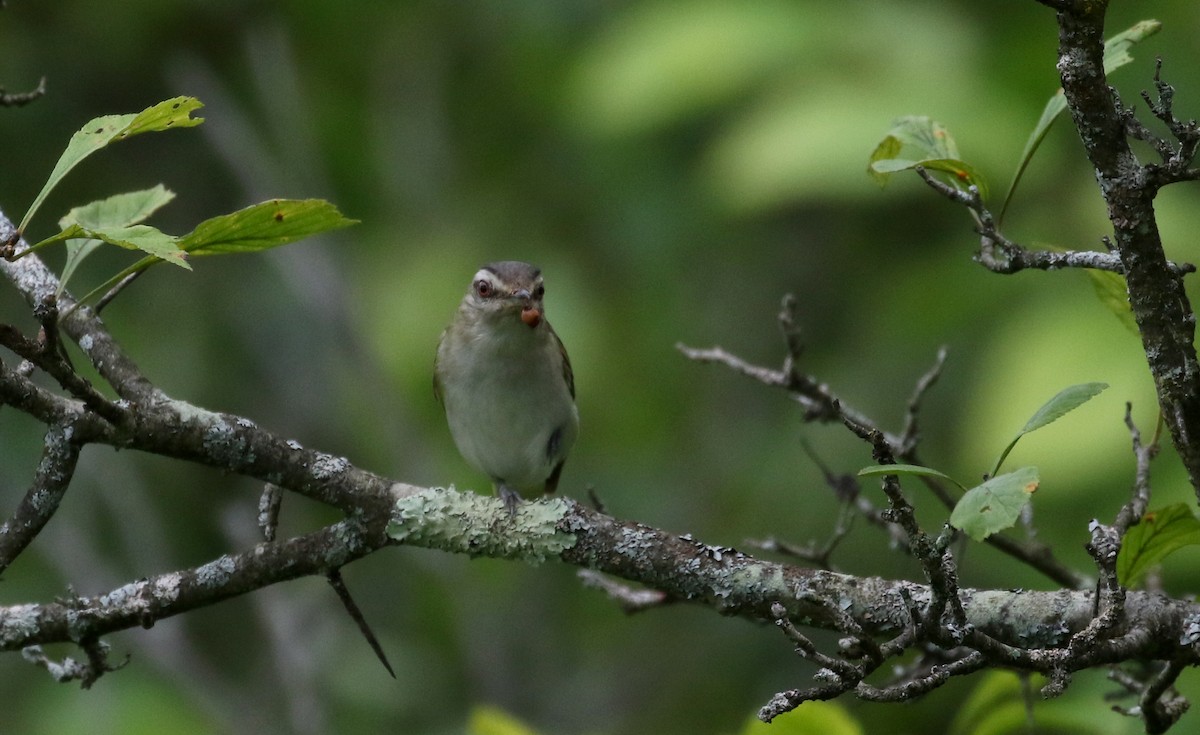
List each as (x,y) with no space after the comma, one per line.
(343,593)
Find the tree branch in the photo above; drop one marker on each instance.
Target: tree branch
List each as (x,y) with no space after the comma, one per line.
(50,481)
(1156,294)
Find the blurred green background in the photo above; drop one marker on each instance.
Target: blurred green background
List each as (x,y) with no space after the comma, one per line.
(675,168)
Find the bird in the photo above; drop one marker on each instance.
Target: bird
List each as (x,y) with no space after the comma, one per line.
(504,379)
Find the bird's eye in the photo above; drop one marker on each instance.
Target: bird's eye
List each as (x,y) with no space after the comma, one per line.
(484,288)
(539,292)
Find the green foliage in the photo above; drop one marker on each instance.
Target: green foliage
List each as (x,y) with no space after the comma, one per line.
(117,211)
(879,470)
(495,721)
(928,144)
(810,718)
(99,132)
(118,219)
(1110,289)
(1066,400)
(1159,534)
(997,503)
(263,226)
(133,237)
(1002,704)
(1116,55)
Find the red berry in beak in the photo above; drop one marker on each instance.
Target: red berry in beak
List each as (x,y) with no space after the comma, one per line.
(531,316)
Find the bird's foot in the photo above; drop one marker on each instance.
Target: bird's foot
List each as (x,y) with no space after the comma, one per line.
(511,498)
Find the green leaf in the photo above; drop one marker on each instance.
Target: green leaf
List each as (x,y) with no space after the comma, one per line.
(120,210)
(1066,400)
(1159,534)
(1110,289)
(173,113)
(888,150)
(262,226)
(995,690)
(258,227)
(100,131)
(927,144)
(879,470)
(77,252)
(487,720)
(996,504)
(135,237)
(1116,49)
(1116,55)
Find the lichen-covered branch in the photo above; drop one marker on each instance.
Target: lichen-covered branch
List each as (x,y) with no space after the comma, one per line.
(145,601)
(1160,305)
(59,456)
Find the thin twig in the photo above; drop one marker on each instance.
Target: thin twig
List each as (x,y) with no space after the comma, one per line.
(343,592)
(59,456)
(629,599)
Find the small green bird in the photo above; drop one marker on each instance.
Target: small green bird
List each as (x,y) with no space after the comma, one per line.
(505,381)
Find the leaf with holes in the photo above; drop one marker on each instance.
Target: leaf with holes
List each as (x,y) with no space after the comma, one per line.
(1159,534)
(996,504)
(100,131)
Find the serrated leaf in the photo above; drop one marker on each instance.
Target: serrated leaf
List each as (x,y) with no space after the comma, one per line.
(100,131)
(1159,534)
(258,227)
(1110,289)
(880,470)
(1116,55)
(996,504)
(1066,400)
(1116,49)
(120,210)
(926,143)
(135,237)
(262,226)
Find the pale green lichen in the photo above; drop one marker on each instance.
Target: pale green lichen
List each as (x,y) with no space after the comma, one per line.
(466,523)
